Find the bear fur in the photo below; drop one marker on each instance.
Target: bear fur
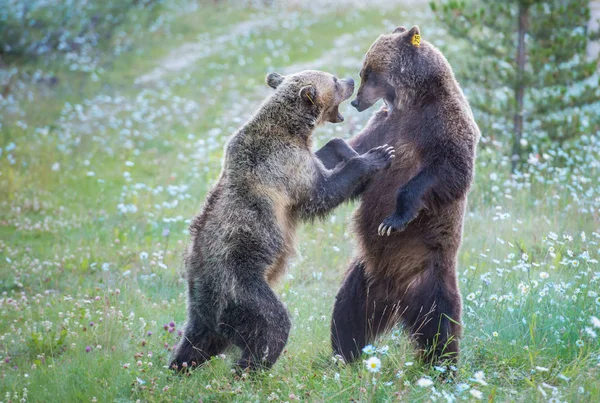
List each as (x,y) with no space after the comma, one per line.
(244,235)
(410,218)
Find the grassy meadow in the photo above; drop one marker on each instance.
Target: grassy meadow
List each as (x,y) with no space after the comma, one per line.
(101,172)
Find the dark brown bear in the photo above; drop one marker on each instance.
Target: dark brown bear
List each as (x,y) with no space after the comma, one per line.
(410,218)
(245,234)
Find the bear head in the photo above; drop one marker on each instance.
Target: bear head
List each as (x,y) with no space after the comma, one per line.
(315,93)
(396,66)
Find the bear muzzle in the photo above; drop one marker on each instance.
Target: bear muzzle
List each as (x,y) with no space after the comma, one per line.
(358,105)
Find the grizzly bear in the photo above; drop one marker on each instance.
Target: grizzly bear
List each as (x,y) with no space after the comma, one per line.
(410,218)
(242,238)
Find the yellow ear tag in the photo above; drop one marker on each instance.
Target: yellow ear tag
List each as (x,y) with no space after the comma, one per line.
(310,99)
(416,40)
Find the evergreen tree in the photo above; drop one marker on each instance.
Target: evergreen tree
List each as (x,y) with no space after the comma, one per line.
(527,68)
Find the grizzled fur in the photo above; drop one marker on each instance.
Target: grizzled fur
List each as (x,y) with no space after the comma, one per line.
(245,233)
(409,222)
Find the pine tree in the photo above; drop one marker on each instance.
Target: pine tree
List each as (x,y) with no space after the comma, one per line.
(527,68)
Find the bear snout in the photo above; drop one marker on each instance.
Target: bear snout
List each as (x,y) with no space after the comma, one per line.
(347,87)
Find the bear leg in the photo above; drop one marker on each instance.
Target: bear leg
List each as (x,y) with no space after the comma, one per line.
(359,314)
(198,344)
(258,323)
(433,319)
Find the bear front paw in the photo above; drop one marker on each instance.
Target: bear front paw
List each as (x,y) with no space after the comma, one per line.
(393,223)
(380,157)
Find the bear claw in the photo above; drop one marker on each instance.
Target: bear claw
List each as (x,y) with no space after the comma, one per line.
(380,157)
(392,224)
(384,230)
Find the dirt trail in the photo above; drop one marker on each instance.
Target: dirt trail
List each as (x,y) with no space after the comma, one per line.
(336,56)
(189,53)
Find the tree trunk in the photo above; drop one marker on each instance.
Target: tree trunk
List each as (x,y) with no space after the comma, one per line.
(593,49)
(520,84)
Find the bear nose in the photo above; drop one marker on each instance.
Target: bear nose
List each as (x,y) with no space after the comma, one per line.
(355,103)
(350,81)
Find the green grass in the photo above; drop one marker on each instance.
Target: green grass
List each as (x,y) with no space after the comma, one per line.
(74,250)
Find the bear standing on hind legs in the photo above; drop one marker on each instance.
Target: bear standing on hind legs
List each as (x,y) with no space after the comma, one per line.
(242,239)
(410,218)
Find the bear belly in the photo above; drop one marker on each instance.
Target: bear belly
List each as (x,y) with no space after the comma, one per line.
(286,226)
(274,272)
(401,257)
(379,197)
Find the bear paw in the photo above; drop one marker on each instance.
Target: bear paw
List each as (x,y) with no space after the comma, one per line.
(393,223)
(380,157)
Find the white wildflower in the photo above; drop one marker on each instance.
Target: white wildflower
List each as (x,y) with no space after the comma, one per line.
(373,364)
(424,382)
(478,377)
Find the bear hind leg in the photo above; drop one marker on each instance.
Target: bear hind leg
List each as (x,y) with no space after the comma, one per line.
(198,344)
(258,324)
(433,319)
(359,314)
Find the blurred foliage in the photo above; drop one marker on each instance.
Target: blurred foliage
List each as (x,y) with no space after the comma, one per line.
(64,29)
(554,90)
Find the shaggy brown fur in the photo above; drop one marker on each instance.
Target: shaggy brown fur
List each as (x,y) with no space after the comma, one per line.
(410,218)
(243,237)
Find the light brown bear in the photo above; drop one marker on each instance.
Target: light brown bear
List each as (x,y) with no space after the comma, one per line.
(244,235)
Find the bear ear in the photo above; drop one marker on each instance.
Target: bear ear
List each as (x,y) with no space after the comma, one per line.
(308,94)
(274,79)
(414,36)
(399,29)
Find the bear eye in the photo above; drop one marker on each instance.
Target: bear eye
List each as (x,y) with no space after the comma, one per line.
(367,73)
(335,81)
